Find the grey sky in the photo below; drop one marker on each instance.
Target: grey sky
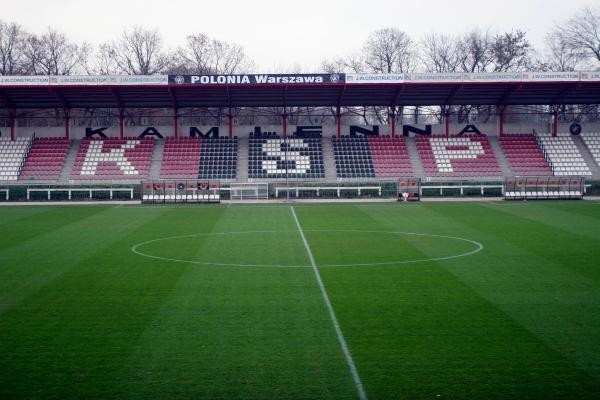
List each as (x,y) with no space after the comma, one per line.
(287,35)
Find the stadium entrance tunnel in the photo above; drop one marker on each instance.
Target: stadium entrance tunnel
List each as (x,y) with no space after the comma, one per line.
(284,249)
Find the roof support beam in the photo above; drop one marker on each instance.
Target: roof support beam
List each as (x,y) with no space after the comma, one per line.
(121,107)
(455,90)
(341,96)
(7,99)
(61,98)
(397,96)
(117,96)
(566,90)
(175,104)
(507,93)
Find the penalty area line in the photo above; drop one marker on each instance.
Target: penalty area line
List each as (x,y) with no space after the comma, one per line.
(338,330)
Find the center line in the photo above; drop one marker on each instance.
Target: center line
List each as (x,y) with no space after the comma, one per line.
(338,330)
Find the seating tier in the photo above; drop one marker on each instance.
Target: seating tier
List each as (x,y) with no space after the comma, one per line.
(218,158)
(524,155)
(353,157)
(12,157)
(564,156)
(273,157)
(457,156)
(45,160)
(181,158)
(390,156)
(113,159)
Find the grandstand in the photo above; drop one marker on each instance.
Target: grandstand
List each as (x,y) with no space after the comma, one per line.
(151,150)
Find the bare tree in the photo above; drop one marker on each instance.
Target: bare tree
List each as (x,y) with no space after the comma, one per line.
(204,55)
(511,52)
(12,40)
(138,52)
(353,63)
(53,54)
(580,34)
(559,56)
(389,50)
(475,51)
(440,53)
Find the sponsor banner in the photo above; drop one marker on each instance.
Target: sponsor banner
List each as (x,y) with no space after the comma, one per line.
(550,76)
(142,79)
(99,80)
(494,77)
(255,79)
(435,77)
(23,80)
(374,78)
(590,76)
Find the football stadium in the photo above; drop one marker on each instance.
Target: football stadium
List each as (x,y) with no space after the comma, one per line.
(327,235)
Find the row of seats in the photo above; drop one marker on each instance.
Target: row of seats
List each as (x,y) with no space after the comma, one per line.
(544,194)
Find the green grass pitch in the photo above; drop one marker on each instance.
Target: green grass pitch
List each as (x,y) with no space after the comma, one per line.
(434,301)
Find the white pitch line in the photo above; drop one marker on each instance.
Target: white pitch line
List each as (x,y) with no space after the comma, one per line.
(338,330)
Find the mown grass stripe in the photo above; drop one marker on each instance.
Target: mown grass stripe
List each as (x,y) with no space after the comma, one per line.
(338,330)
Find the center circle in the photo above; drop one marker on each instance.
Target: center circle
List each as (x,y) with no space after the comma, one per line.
(283,249)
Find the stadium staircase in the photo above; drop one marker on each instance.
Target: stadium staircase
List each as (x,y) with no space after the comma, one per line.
(157,156)
(415,160)
(500,156)
(586,149)
(242,161)
(329,161)
(67,170)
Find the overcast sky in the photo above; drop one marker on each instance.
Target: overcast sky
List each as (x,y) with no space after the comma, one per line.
(287,35)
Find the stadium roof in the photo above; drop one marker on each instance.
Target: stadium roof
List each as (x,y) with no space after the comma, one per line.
(269,90)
